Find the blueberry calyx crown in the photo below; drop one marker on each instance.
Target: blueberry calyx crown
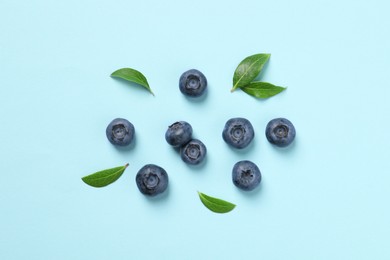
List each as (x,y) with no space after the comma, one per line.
(246,175)
(280,132)
(238,132)
(120,132)
(194,152)
(152,180)
(193,83)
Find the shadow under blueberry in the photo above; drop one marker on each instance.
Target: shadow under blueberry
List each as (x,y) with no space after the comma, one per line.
(199,168)
(177,150)
(160,198)
(198,100)
(252,193)
(287,149)
(245,150)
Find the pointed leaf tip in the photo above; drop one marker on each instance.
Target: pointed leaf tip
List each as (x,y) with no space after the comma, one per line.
(262,89)
(248,69)
(134,76)
(105,177)
(216,205)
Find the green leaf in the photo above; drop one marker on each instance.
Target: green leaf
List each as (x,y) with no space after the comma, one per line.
(216,205)
(249,69)
(262,89)
(105,177)
(134,76)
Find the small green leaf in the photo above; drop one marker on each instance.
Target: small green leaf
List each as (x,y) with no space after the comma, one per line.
(105,177)
(216,205)
(134,76)
(262,89)
(249,69)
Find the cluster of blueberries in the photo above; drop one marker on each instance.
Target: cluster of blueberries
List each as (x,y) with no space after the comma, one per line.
(238,133)
(179,135)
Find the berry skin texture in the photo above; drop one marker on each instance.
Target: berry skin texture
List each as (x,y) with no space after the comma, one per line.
(152,180)
(120,132)
(178,134)
(280,132)
(246,175)
(194,152)
(238,132)
(192,83)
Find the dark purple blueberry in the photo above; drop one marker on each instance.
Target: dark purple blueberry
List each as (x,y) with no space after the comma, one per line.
(178,133)
(192,83)
(120,132)
(280,132)
(246,175)
(152,180)
(238,132)
(194,152)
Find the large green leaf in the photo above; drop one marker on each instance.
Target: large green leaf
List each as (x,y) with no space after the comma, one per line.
(134,76)
(262,89)
(105,177)
(249,69)
(216,205)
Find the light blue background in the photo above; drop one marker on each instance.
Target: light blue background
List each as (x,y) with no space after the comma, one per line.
(326,197)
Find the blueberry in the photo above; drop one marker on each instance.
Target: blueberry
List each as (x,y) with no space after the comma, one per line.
(192,83)
(246,175)
(280,132)
(120,132)
(238,132)
(193,152)
(178,133)
(152,180)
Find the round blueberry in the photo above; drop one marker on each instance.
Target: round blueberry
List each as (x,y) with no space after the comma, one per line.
(178,133)
(238,132)
(246,175)
(120,132)
(280,132)
(192,83)
(193,152)
(152,180)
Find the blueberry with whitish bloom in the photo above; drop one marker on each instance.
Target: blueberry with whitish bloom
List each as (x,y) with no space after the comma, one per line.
(238,132)
(280,132)
(178,134)
(120,132)
(152,180)
(193,83)
(246,175)
(194,152)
